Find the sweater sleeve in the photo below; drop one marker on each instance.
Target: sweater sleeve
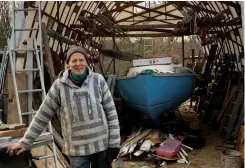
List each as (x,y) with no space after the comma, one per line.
(44,114)
(111,114)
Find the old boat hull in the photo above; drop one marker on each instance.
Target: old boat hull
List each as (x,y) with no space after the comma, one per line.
(155,94)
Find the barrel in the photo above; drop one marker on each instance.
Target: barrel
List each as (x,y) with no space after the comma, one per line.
(230,159)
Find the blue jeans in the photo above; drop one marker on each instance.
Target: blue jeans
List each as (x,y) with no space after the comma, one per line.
(97,160)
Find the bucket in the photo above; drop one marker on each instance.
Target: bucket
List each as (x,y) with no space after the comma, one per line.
(230,159)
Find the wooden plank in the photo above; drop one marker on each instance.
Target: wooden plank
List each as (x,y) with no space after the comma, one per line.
(226,103)
(61,158)
(14,126)
(50,161)
(240,121)
(232,4)
(240,144)
(121,8)
(12,105)
(137,27)
(59,37)
(156,11)
(13,133)
(135,35)
(138,137)
(47,53)
(234,113)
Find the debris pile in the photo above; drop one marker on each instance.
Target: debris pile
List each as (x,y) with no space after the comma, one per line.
(153,143)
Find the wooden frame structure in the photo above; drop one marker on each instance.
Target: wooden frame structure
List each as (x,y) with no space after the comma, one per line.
(88,23)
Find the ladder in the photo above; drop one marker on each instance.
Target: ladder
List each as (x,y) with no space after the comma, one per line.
(148,47)
(233,118)
(47,136)
(206,71)
(205,110)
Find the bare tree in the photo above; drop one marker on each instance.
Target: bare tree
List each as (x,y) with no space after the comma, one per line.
(5,19)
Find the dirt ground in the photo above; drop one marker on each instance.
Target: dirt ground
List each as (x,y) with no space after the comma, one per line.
(207,157)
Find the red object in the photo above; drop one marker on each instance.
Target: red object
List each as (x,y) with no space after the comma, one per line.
(169,148)
(203,34)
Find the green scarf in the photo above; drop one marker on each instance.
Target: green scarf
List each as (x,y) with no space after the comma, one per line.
(79,77)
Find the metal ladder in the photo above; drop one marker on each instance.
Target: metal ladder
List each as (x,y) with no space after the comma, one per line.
(47,136)
(148,47)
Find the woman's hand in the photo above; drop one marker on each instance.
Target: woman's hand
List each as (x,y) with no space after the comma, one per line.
(17,148)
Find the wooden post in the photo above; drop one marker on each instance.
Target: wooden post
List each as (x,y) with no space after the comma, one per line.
(114,66)
(193,60)
(240,144)
(47,53)
(183,51)
(59,37)
(101,68)
(193,56)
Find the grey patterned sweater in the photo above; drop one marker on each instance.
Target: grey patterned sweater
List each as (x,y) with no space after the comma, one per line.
(88,115)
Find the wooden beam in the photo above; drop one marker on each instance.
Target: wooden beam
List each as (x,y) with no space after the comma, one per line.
(155,26)
(148,29)
(208,24)
(144,12)
(183,3)
(136,35)
(59,37)
(233,22)
(240,143)
(58,22)
(153,34)
(150,18)
(13,133)
(232,4)
(205,24)
(155,17)
(47,53)
(53,34)
(121,8)
(183,51)
(156,11)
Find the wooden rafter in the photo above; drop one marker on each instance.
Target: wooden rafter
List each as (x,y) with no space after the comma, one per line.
(154,17)
(153,26)
(186,4)
(121,8)
(205,24)
(149,29)
(152,34)
(150,18)
(156,11)
(232,4)
(143,12)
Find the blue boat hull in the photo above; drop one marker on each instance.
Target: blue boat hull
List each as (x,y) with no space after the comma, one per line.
(156,94)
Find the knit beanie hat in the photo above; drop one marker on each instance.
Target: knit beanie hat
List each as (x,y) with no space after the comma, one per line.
(75,49)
